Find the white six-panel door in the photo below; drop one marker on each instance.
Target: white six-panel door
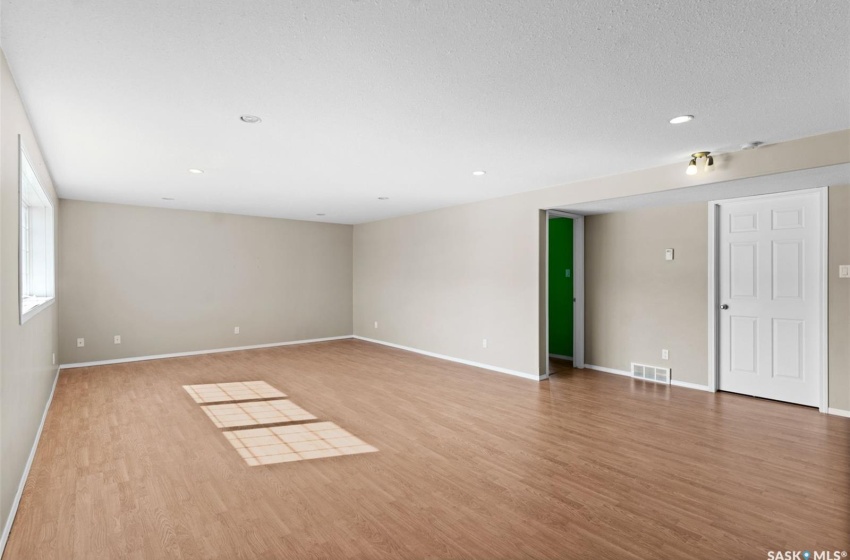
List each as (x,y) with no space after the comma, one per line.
(769,274)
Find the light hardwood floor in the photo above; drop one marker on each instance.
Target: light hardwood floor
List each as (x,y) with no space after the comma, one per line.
(471,464)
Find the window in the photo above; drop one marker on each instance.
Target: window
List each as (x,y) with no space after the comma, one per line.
(37,282)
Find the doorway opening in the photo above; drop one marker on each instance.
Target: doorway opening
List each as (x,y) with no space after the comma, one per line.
(563,336)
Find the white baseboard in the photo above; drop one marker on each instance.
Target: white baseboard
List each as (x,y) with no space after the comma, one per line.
(451,359)
(609,370)
(200,352)
(687,385)
(839,412)
(7,528)
(673,382)
(561,357)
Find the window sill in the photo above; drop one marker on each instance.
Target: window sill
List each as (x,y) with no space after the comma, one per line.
(32,306)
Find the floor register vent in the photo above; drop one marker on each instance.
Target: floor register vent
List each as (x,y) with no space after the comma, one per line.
(651,373)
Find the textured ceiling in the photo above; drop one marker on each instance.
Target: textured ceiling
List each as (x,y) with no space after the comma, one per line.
(361,99)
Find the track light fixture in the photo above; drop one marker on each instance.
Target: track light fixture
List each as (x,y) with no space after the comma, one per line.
(692,165)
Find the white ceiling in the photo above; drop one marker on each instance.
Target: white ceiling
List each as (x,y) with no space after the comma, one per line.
(369,98)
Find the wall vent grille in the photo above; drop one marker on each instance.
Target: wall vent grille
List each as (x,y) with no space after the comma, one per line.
(651,373)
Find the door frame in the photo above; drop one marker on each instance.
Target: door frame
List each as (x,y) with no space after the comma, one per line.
(714,287)
(578,289)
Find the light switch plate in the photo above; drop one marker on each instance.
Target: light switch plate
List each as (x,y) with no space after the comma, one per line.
(844,271)
(668,255)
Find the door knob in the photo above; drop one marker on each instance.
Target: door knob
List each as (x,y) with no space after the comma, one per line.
(724,306)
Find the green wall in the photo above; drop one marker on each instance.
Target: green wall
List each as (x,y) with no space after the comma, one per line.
(561,286)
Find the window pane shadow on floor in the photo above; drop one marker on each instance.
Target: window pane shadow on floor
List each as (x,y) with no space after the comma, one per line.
(282,444)
(238,391)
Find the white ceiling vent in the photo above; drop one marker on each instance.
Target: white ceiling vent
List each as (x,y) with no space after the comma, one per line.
(651,373)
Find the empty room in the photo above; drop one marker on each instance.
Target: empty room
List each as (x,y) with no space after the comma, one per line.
(368,279)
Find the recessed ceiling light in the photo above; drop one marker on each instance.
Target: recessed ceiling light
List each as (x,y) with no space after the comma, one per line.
(681,119)
(167,198)
(250,119)
(383,198)
(479,173)
(196,171)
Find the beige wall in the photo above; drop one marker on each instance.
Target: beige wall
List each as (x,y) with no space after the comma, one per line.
(660,304)
(637,302)
(839,298)
(442,281)
(26,351)
(176,281)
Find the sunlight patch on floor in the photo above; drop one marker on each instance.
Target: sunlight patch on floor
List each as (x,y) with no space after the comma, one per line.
(266,442)
(256,413)
(282,444)
(238,391)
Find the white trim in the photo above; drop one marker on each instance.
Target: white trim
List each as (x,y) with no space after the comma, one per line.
(36,309)
(674,382)
(578,292)
(714,284)
(839,412)
(7,528)
(200,352)
(609,370)
(560,357)
(824,301)
(713,299)
(451,359)
(686,385)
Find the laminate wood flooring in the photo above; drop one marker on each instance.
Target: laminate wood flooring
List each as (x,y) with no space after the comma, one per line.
(470,464)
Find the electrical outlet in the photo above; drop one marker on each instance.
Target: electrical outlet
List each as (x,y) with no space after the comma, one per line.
(484,343)
(665,354)
(235,330)
(116,339)
(668,254)
(54,358)
(376,324)
(844,271)
(81,342)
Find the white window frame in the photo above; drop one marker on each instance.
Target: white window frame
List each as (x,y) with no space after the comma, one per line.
(36,240)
